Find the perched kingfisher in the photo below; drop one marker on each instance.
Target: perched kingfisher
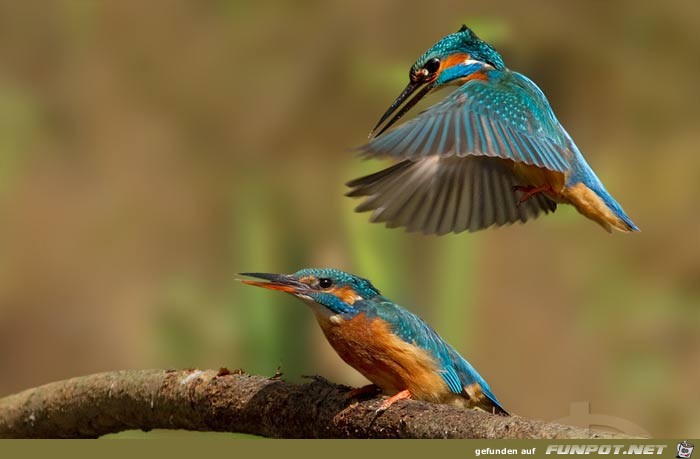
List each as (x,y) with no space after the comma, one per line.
(390,346)
(491,153)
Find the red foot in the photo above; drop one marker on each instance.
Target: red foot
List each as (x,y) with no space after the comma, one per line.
(370,390)
(403,395)
(530,191)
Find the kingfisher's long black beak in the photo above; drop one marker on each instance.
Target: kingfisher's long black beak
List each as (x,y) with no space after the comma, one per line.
(412,87)
(281,282)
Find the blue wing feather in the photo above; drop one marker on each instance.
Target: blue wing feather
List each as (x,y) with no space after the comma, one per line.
(506,116)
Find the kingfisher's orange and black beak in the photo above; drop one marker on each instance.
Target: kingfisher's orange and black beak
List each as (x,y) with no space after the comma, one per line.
(417,79)
(281,282)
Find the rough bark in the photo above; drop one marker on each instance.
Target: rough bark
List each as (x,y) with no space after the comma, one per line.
(99,404)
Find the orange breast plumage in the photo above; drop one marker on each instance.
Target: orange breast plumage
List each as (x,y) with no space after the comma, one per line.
(368,345)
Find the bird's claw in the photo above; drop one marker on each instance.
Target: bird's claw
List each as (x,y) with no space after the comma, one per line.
(403,395)
(379,411)
(530,191)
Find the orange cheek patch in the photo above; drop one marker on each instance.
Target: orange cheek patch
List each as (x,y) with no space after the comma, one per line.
(453,59)
(461,58)
(345,294)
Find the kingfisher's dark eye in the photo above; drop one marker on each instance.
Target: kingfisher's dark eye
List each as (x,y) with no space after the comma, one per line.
(432,65)
(325,282)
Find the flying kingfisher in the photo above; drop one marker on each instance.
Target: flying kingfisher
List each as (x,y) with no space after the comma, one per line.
(390,346)
(489,154)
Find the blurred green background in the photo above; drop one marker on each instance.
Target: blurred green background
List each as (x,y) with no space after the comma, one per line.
(149,151)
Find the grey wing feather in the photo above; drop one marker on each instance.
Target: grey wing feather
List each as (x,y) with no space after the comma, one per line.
(442,195)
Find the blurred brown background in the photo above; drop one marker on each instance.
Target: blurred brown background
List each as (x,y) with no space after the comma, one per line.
(149,151)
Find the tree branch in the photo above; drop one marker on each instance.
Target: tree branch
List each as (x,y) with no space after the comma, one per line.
(99,404)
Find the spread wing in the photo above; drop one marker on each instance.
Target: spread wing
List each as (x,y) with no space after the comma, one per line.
(455,370)
(441,195)
(505,116)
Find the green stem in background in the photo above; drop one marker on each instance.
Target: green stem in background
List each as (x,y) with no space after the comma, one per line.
(376,252)
(453,288)
(256,247)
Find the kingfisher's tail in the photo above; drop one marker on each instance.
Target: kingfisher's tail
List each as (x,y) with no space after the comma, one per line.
(592,200)
(622,222)
(493,407)
(479,396)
